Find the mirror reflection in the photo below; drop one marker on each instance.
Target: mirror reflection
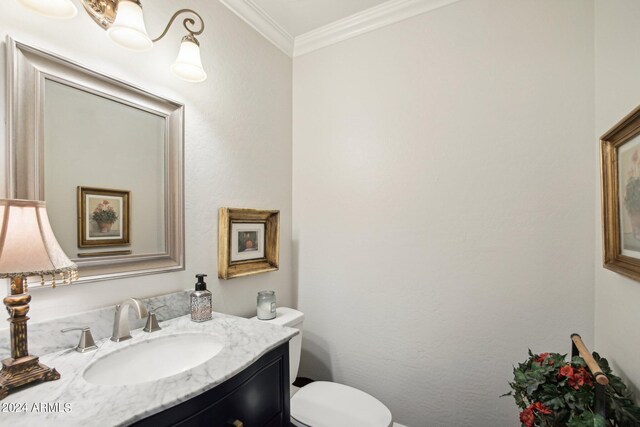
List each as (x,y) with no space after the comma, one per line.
(98,143)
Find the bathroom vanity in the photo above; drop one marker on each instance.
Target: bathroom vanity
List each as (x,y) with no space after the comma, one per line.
(237,371)
(257,396)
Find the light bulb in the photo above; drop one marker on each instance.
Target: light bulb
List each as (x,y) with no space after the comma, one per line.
(58,9)
(188,65)
(128,29)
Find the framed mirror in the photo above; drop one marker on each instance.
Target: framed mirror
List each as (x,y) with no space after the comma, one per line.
(106,156)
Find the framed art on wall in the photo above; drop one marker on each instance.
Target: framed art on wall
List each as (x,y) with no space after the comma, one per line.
(620,164)
(248,242)
(103,217)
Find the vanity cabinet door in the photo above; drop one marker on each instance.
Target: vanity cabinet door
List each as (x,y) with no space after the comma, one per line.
(256,397)
(255,403)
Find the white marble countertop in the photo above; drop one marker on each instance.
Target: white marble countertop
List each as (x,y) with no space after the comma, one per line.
(72,401)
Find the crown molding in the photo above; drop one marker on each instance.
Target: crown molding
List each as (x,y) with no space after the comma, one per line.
(257,18)
(371,19)
(368,20)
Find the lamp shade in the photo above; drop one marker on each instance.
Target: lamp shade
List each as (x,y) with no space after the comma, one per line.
(188,65)
(58,9)
(27,244)
(128,29)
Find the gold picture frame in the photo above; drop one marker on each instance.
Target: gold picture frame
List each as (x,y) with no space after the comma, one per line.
(114,230)
(248,242)
(620,167)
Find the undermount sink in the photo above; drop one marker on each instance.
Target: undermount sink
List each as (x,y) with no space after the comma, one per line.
(153,359)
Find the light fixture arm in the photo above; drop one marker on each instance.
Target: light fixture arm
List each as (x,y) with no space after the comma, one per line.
(188,22)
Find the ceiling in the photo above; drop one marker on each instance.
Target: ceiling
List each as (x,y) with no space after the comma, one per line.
(300,16)
(298,27)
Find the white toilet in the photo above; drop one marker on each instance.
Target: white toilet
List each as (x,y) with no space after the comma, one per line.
(322,403)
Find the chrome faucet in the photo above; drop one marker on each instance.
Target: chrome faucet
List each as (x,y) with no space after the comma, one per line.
(121,330)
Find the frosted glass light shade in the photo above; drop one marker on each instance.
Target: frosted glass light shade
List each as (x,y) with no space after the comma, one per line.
(128,29)
(188,65)
(58,9)
(27,244)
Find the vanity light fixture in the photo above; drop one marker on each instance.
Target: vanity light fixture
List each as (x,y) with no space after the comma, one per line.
(124,22)
(58,9)
(27,248)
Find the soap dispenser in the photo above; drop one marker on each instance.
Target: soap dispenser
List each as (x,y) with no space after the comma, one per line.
(201,301)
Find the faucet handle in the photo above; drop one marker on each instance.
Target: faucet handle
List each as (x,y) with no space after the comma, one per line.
(86,339)
(152,323)
(154,309)
(152,320)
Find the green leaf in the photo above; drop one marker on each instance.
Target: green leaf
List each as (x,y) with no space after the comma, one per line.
(519,376)
(587,419)
(554,403)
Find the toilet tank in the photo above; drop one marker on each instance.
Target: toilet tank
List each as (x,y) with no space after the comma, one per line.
(291,318)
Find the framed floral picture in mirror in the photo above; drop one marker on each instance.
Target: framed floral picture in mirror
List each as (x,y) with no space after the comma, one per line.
(620,165)
(103,217)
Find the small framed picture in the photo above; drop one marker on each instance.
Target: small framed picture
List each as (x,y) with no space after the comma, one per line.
(103,217)
(248,242)
(620,158)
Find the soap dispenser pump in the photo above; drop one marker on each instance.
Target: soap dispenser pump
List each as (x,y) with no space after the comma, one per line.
(201,301)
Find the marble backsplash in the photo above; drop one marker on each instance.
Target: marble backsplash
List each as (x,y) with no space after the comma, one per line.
(45,337)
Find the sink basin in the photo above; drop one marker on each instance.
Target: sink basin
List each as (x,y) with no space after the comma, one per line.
(153,359)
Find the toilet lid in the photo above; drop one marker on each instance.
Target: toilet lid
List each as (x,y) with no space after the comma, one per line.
(326,404)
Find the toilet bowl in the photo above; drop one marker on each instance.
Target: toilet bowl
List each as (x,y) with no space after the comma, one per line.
(323,403)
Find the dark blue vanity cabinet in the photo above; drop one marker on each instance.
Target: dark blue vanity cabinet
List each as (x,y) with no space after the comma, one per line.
(256,397)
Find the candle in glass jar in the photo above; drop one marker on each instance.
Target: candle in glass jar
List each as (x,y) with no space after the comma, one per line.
(266,305)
